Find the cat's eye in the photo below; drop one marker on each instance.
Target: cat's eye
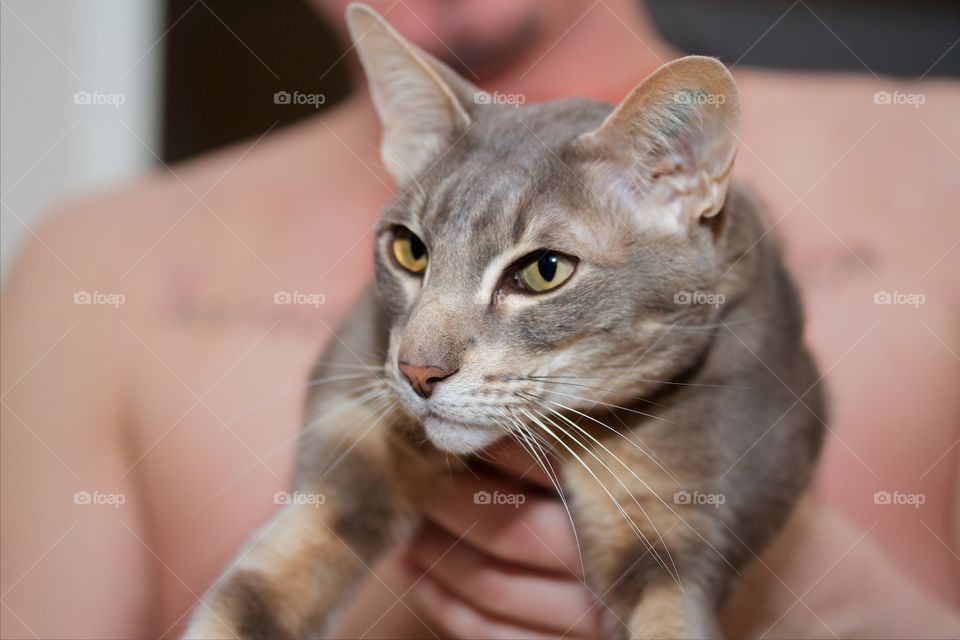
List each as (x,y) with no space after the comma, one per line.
(409,251)
(547,270)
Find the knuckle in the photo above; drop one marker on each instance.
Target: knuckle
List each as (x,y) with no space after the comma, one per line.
(462,621)
(517,543)
(493,587)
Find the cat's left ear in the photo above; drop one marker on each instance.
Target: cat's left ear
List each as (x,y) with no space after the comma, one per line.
(673,139)
(422,104)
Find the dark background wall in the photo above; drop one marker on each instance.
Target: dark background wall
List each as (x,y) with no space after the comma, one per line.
(225,62)
(886,36)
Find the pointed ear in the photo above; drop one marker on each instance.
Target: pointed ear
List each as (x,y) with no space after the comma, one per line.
(422,104)
(673,139)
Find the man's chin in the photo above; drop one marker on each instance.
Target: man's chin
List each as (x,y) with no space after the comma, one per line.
(459,438)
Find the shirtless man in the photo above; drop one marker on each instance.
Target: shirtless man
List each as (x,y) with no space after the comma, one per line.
(182,402)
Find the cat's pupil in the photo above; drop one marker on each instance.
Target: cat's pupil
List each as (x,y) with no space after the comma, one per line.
(548,266)
(417,248)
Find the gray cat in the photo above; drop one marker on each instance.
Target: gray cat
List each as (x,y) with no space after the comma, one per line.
(585,280)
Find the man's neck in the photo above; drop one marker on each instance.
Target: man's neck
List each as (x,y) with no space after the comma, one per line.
(610,48)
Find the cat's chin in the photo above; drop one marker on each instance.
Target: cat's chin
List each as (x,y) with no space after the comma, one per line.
(459,438)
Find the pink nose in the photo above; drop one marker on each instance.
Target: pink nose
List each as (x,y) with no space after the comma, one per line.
(423,379)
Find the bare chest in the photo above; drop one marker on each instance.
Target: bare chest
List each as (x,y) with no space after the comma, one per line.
(886,337)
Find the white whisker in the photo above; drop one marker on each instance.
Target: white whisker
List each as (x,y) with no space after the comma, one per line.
(609,428)
(607,404)
(646,380)
(623,512)
(587,386)
(548,469)
(639,479)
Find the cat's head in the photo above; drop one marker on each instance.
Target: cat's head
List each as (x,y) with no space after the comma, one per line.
(538,258)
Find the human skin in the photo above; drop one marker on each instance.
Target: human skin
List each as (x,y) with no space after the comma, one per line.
(97,398)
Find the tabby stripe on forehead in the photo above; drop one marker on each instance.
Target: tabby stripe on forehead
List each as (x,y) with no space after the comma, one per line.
(444,207)
(481,223)
(522,219)
(492,212)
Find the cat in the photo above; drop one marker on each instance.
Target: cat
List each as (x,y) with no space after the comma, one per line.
(585,279)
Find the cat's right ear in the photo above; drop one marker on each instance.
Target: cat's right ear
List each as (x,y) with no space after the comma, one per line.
(672,141)
(420,102)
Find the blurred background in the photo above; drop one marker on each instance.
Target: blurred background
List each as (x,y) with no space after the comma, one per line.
(181,73)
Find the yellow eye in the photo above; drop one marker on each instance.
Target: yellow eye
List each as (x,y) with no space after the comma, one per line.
(548,271)
(409,250)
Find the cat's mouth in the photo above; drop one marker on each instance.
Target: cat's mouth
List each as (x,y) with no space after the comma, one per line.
(459,437)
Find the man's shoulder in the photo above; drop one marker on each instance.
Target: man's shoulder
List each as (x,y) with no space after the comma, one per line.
(112,234)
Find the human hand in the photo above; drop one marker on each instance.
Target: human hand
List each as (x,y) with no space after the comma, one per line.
(505,570)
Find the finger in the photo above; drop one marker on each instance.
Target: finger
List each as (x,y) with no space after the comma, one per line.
(458,619)
(510,522)
(512,460)
(562,605)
